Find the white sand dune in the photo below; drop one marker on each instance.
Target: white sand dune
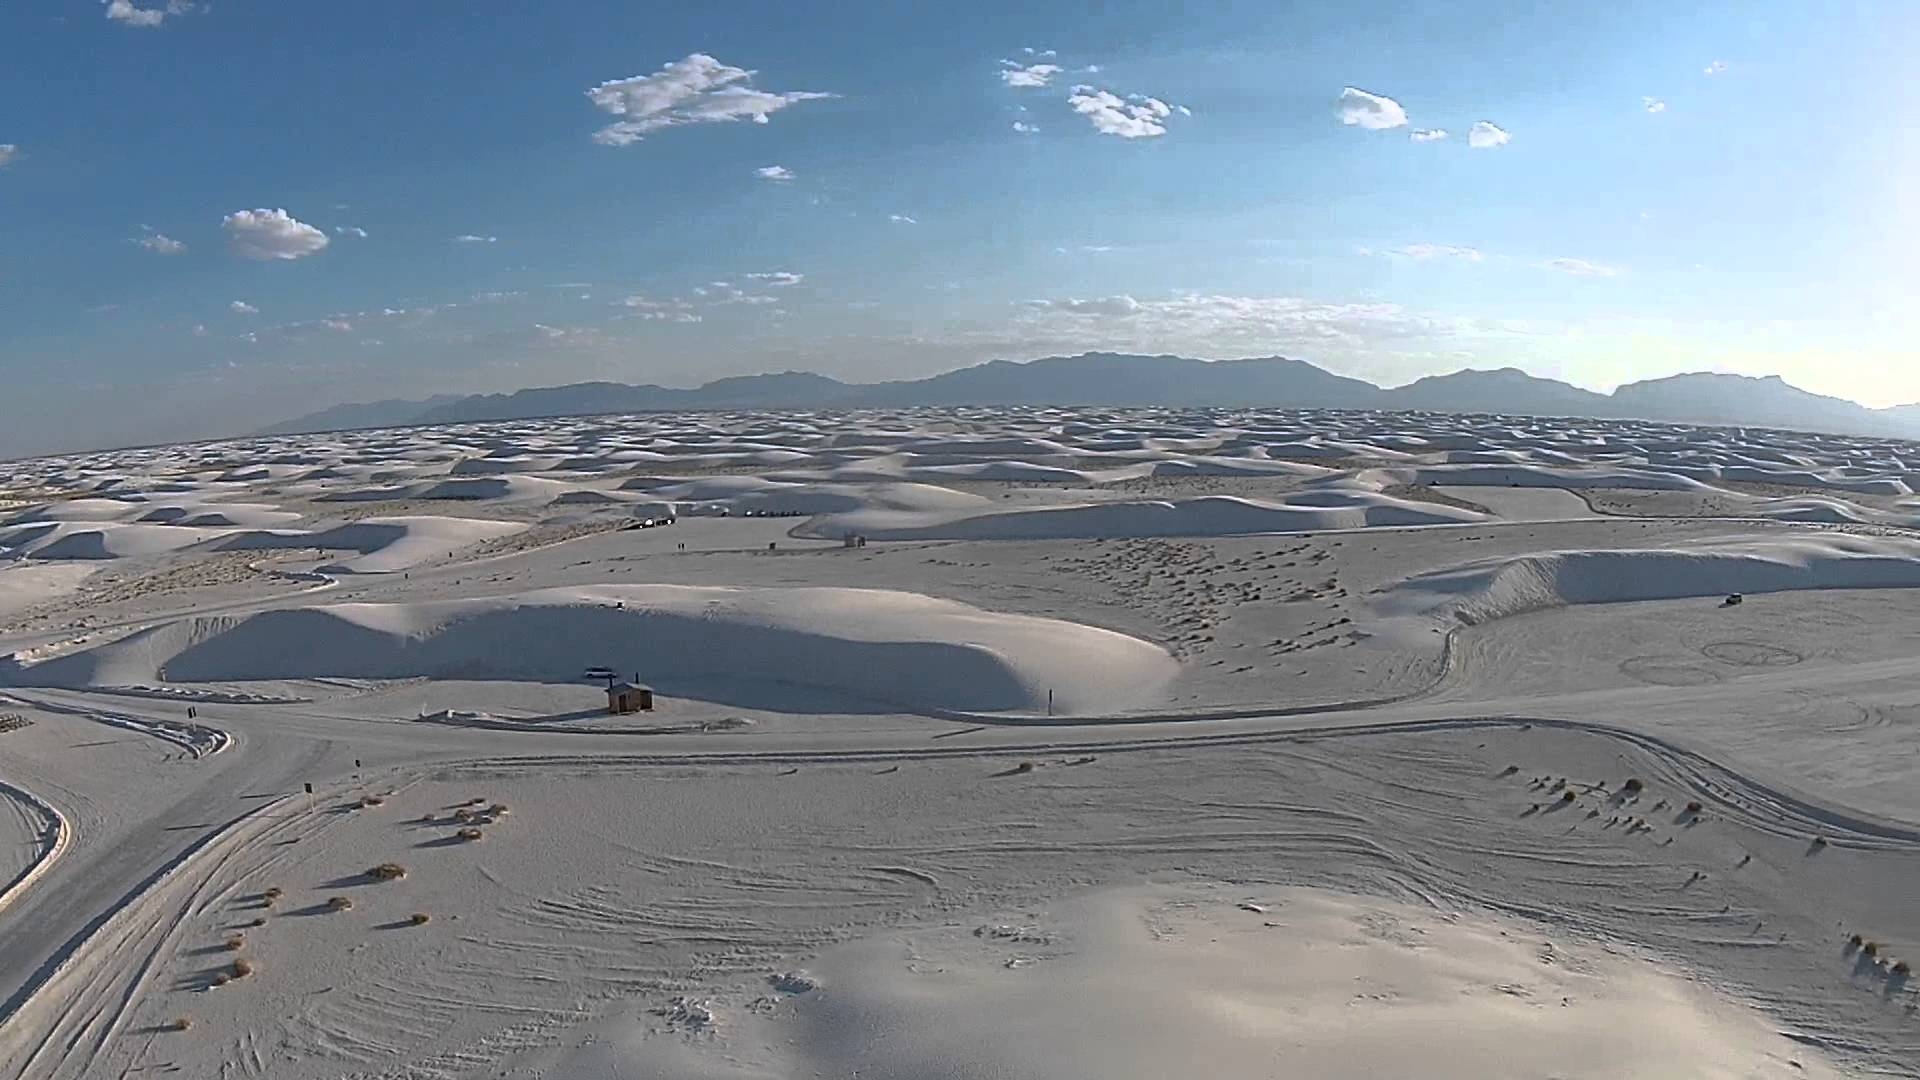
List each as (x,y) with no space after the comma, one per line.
(1149,983)
(386,544)
(848,840)
(871,647)
(1207,516)
(100,539)
(1511,586)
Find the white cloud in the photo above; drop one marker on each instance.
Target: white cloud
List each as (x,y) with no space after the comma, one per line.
(1014,73)
(160,243)
(1718,67)
(1375,112)
(1485,136)
(774,172)
(1199,323)
(1580,268)
(1042,53)
(1439,251)
(199,330)
(1110,306)
(1024,128)
(1653,104)
(651,310)
(474,238)
(1427,134)
(8,152)
(350,230)
(338,326)
(271,234)
(126,13)
(696,90)
(241,307)
(903,219)
(1133,117)
(778,277)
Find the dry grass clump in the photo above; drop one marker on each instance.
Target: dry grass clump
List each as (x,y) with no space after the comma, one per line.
(1856,941)
(1902,969)
(371,800)
(499,809)
(1871,948)
(1025,766)
(273,894)
(387,871)
(180,1023)
(235,943)
(419,918)
(222,979)
(463,814)
(340,903)
(1633,786)
(1694,807)
(242,968)
(469,834)
(1566,796)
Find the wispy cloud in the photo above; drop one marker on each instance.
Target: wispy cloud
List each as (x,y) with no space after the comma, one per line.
(776,173)
(1427,134)
(1653,104)
(8,152)
(1580,268)
(1375,112)
(126,13)
(159,243)
(1135,116)
(777,277)
(241,307)
(350,230)
(271,234)
(1438,251)
(1718,67)
(1014,73)
(1024,128)
(696,90)
(475,238)
(903,219)
(1484,135)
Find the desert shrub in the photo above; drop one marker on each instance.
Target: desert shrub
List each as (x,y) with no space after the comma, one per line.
(1871,948)
(1856,941)
(419,918)
(1694,807)
(463,814)
(235,943)
(371,800)
(387,871)
(1633,785)
(242,968)
(499,809)
(222,979)
(1025,766)
(1902,968)
(180,1023)
(470,834)
(1566,796)
(340,903)
(272,894)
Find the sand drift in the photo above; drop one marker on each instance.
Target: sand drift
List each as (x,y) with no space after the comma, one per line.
(864,649)
(1481,592)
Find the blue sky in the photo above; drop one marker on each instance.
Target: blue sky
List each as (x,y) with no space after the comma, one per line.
(1729,187)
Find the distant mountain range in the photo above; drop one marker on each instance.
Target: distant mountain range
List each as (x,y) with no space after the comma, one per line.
(1114,379)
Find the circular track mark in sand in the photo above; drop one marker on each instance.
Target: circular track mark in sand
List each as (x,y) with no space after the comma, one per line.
(1665,671)
(1751,654)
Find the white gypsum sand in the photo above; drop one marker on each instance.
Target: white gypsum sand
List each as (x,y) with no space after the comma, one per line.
(1050,742)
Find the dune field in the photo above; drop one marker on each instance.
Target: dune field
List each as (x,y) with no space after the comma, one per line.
(1002,742)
